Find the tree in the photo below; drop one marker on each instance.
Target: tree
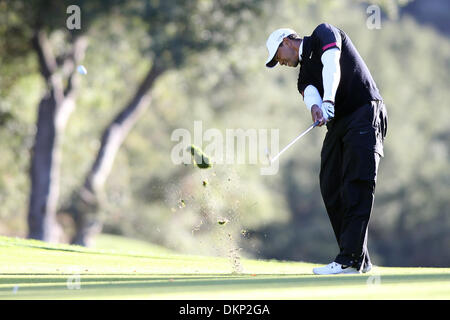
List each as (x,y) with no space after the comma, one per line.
(176,30)
(32,24)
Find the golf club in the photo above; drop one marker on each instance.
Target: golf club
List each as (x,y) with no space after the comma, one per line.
(271,160)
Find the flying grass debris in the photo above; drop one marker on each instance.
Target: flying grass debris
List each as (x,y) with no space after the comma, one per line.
(197,227)
(199,158)
(236,260)
(181,204)
(222,221)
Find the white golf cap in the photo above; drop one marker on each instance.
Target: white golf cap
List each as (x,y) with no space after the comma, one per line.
(273,43)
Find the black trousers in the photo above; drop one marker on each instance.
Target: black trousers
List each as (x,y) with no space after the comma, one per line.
(350,157)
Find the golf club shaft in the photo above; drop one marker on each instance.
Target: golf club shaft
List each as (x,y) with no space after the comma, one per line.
(294,141)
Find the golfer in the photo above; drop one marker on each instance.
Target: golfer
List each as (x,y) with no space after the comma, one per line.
(340,92)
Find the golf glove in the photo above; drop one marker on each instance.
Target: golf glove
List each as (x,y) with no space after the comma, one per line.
(327,110)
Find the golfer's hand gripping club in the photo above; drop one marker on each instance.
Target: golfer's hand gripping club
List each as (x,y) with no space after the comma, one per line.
(317,115)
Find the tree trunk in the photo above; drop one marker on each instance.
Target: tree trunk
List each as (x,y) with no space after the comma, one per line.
(87,202)
(53,113)
(44,173)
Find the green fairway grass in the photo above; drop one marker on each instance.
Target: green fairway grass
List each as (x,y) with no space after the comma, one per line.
(120,268)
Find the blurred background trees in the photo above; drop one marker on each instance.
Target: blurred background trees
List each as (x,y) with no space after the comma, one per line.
(39,28)
(210,57)
(172,32)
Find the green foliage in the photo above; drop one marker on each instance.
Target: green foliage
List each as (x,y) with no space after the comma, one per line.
(390,7)
(279,216)
(178,29)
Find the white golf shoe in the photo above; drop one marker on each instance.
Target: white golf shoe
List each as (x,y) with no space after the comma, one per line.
(335,268)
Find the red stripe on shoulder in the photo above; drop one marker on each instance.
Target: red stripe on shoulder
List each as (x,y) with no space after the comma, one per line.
(328,46)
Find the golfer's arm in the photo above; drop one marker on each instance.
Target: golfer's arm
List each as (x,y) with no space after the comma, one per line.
(311,96)
(331,73)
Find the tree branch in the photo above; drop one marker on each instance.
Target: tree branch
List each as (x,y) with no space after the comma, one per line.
(118,129)
(76,56)
(48,65)
(47,61)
